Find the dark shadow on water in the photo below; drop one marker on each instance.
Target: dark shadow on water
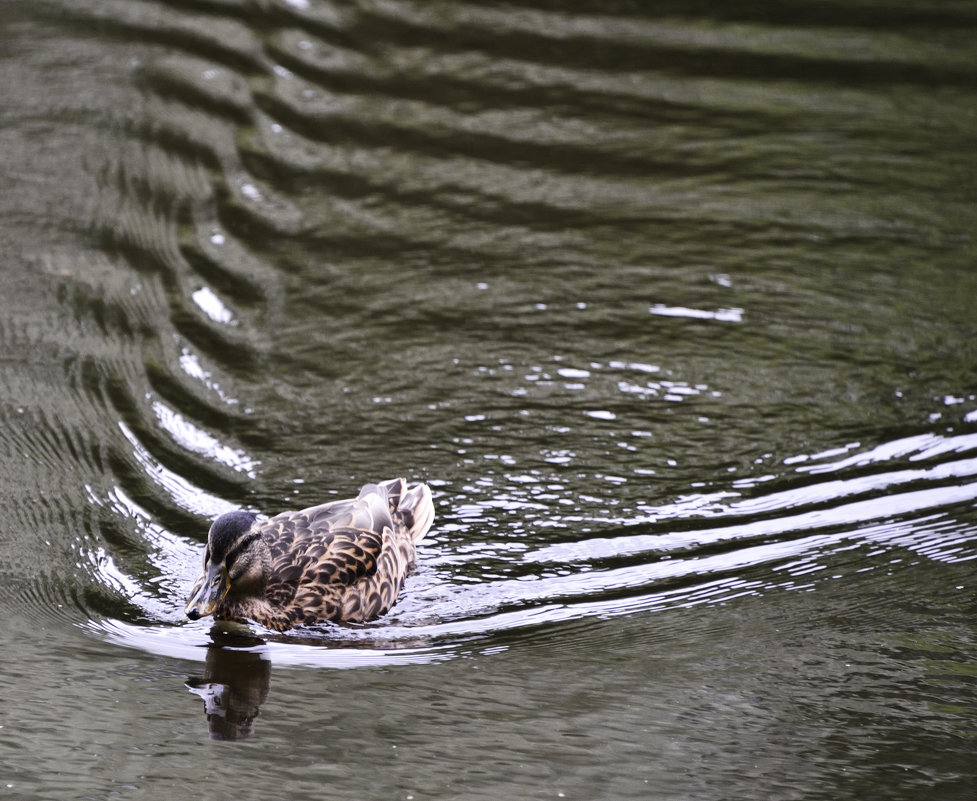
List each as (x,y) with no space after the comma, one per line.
(234,684)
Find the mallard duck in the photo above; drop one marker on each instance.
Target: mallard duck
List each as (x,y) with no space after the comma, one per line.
(343,561)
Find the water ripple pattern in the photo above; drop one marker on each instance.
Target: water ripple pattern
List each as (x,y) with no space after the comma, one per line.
(672,306)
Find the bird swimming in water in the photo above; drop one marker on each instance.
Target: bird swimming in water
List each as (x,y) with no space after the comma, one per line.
(343,561)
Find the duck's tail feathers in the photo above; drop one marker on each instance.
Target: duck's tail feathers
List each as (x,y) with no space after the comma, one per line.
(414,505)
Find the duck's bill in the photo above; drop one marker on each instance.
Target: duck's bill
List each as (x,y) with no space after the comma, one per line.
(209,591)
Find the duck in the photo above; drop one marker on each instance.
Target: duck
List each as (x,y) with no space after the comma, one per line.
(344,561)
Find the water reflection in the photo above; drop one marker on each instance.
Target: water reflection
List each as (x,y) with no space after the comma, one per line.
(234,684)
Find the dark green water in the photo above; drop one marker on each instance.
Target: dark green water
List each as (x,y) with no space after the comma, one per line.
(672,304)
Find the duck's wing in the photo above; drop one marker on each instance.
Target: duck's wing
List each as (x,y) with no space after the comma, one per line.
(317,554)
(370,510)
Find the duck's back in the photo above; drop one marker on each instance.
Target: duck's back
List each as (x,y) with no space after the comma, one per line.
(344,560)
(387,504)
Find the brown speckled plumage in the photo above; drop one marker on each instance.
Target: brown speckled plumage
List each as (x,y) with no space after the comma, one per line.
(341,561)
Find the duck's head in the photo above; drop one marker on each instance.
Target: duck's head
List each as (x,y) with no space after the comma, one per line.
(232,561)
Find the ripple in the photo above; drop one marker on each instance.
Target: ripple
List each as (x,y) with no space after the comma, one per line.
(589,271)
(722,315)
(474,594)
(199,441)
(213,307)
(181,491)
(177,644)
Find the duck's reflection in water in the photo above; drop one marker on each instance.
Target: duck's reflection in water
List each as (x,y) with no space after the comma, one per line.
(237,669)
(234,684)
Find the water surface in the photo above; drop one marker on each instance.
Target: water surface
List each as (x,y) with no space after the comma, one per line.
(672,306)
